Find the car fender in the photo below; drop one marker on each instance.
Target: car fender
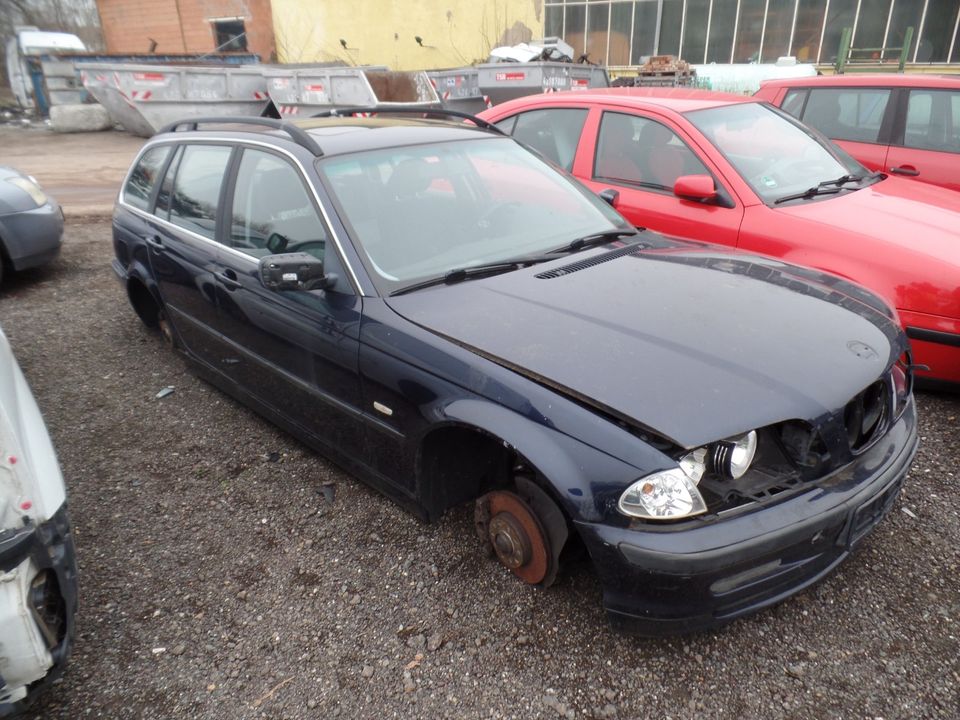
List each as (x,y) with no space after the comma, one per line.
(137,270)
(586,481)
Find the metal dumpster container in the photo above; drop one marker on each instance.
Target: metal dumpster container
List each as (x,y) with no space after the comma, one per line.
(459,89)
(144,98)
(506,81)
(307,90)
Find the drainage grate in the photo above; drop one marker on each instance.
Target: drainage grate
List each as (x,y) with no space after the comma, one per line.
(584,264)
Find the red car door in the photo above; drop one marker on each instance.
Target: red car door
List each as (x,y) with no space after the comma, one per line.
(929,147)
(641,155)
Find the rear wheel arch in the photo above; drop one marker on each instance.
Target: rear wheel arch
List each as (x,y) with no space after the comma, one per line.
(145,303)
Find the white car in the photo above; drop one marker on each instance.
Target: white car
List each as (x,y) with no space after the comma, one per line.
(38,569)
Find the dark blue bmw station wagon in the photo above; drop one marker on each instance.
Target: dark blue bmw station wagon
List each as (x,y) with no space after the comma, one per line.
(454,320)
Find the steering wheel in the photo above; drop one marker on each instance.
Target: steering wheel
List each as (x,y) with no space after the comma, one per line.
(781,171)
(306,246)
(500,213)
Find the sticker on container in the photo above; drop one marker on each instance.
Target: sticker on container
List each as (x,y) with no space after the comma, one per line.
(315,94)
(151,78)
(501,76)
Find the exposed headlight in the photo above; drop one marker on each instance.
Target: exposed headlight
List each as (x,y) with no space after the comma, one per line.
(732,458)
(30,188)
(666,495)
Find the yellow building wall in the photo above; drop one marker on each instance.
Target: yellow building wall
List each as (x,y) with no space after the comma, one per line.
(383,32)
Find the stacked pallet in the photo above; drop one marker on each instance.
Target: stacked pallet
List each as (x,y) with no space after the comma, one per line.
(658,71)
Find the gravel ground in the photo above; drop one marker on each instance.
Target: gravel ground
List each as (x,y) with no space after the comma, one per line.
(229,572)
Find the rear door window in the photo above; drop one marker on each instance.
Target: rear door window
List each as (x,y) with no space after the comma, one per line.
(554,133)
(139,188)
(854,114)
(933,120)
(196,188)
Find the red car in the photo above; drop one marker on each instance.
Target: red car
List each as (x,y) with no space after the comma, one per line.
(737,171)
(902,124)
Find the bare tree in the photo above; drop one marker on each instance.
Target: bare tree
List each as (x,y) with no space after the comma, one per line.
(79,17)
(74,16)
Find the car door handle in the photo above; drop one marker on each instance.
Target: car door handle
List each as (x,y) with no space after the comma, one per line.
(905,170)
(228,278)
(154,241)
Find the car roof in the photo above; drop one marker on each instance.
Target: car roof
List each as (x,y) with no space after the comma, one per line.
(679,100)
(869,80)
(340,135)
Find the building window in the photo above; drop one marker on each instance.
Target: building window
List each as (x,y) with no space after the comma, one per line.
(626,31)
(644,30)
(808,29)
(937,32)
(230,34)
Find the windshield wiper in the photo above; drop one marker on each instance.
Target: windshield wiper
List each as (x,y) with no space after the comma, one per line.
(473,271)
(595,239)
(842,180)
(501,266)
(827,187)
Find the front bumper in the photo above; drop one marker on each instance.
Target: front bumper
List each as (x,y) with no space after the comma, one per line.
(667,581)
(33,652)
(33,237)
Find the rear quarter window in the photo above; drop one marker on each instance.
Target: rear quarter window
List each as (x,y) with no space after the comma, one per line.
(793,102)
(139,187)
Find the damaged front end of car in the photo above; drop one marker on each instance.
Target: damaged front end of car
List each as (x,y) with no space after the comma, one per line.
(745,522)
(38,570)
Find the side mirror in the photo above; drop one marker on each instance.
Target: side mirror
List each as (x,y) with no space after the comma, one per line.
(695,187)
(610,196)
(294,271)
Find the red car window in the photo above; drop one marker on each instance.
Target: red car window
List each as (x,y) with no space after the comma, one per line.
(641,151)
(854,114)
(554,133)
(933,120)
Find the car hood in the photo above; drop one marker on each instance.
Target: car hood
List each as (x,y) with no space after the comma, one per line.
(912,231)
(695,344)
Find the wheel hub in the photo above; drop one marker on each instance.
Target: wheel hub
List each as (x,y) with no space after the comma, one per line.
(516,535)
(510,541)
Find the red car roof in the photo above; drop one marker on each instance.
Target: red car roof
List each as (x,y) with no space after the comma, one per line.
(870,80)
(676,99)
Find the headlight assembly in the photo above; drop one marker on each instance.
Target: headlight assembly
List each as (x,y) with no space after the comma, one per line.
(673,495)
(667,495)
(30,188)
(732,458)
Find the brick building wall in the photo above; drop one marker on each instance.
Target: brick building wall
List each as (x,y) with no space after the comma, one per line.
(182,26)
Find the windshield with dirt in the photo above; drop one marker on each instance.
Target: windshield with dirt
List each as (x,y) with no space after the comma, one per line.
(780,159)
(425,210)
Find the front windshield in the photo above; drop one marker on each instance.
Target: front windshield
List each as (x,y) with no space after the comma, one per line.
(421,211)
(775,155)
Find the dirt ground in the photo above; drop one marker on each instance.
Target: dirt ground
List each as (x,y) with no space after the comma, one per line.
(83,171)
(226,571)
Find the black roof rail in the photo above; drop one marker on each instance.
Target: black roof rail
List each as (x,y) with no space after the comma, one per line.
(408,110)
(297,134)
